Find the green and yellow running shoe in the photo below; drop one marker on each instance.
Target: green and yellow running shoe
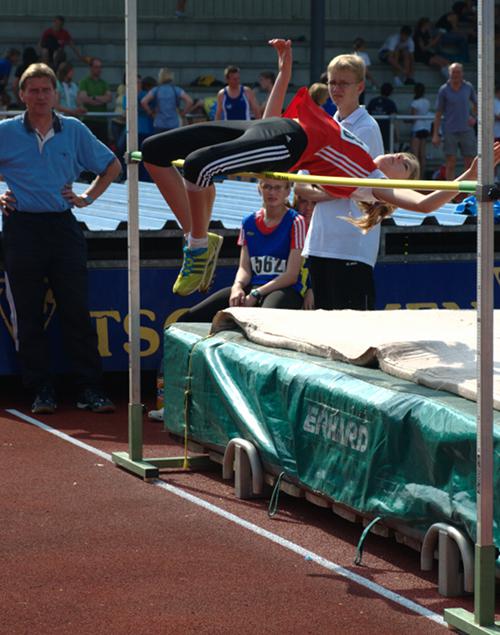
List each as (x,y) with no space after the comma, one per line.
(214,244)
(192,271)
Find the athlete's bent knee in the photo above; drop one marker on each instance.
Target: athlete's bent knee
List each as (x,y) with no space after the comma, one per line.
(196,170)
(154,152)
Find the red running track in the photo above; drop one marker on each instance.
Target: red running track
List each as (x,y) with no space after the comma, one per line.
(89,548)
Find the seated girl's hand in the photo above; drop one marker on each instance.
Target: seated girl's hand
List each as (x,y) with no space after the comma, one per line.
(250,301)
(308,304)
(237,297)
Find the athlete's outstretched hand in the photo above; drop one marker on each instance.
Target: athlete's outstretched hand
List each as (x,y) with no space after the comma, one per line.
(284,50)
(471,173)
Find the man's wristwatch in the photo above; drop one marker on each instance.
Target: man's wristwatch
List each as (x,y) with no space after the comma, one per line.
(88,199)
(256,294)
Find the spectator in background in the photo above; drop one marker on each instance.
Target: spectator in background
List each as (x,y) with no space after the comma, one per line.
(455,100)
(421,128)
(95,95)
(397,51)
(359,49)
(118,122)
(319,93)
(497,44)
(120,141)
(304,207)
(426,46)
(180,9)
(5,102)
(145,122)
(53,41)
(271,241)
(451,35)
(468,14)
(145,126)
(383,105)
(10,59)
(340,257)
(263,89)
(30,56)
(67,92)
(164,101)
(496,124)
(329,106)
(496,111)
(235,101)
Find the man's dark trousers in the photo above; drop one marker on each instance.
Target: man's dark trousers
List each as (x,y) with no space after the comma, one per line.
(50,245)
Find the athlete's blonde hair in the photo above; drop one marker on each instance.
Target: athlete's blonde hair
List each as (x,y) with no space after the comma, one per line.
(348,62)
(374,213)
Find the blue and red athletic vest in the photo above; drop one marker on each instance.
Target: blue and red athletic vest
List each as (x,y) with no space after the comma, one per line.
(269,252)
(237,108)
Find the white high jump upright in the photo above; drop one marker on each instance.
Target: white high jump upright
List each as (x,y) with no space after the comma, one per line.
(133,460)
(483,618)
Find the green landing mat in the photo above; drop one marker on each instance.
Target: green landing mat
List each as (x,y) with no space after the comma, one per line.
(379,444)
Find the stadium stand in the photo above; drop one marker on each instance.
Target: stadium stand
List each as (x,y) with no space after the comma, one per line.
(216,31)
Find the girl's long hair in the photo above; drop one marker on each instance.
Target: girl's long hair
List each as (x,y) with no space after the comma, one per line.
(374,213)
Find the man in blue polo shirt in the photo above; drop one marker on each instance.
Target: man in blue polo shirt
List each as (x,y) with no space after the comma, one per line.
(457,101)
(41,155)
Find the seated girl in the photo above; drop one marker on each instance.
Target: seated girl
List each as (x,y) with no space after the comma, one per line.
(271,242)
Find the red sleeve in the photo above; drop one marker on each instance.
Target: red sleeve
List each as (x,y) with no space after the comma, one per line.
(298,233)
(292,111)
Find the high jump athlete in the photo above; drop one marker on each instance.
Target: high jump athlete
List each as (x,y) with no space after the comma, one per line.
(305,137)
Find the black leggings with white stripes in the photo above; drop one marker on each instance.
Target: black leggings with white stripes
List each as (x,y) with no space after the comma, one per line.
(226,147)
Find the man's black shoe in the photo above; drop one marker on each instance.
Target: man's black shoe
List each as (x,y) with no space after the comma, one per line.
(91,399)
(45,402)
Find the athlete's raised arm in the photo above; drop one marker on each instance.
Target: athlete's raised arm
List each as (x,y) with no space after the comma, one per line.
(274,104)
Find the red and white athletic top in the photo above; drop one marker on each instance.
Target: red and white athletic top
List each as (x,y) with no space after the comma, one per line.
(331,150)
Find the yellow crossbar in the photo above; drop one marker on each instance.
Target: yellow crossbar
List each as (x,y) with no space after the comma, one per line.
(451,186)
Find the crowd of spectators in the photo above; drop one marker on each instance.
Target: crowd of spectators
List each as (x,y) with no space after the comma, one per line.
(444,46)
(164,105)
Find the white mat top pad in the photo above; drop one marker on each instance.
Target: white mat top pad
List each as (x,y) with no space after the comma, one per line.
(436,348)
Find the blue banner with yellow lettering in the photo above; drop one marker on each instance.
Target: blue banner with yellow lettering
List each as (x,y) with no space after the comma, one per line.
(421,285)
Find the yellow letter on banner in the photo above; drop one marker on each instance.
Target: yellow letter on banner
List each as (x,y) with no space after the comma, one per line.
(148,334)
(101,324)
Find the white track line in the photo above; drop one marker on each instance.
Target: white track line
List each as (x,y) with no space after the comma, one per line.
(264,533)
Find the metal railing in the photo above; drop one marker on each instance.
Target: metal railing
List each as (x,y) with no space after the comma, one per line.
(391,118)
(392,124)
(13,113)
